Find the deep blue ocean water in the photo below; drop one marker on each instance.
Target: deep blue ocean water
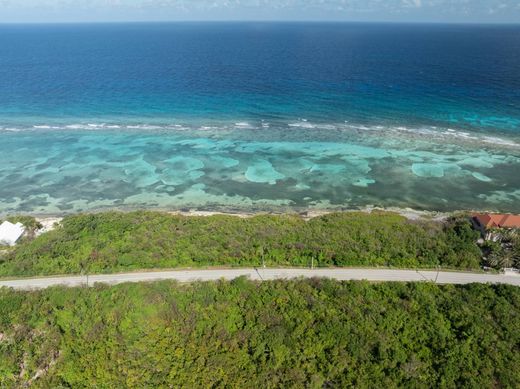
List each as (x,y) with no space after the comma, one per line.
(259,116)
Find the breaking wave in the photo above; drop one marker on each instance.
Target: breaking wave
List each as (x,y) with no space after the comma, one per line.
(415,132)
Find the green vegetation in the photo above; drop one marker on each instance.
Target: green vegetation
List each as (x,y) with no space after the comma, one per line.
(314,333)
(115,241)
(505,251)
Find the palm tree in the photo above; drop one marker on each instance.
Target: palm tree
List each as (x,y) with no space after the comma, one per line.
(505,251)
(500,258)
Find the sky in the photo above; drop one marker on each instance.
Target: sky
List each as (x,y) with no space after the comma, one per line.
(470,11)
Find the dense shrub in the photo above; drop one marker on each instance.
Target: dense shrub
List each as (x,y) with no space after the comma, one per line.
(115,241)
(314,333)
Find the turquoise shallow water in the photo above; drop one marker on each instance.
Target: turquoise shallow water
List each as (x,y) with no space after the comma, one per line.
(259,116)
(247,167)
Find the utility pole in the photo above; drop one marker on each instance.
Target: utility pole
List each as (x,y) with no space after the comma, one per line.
(262,251)
(84,272)
(82,267)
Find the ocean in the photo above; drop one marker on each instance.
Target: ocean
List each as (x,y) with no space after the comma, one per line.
(259,117)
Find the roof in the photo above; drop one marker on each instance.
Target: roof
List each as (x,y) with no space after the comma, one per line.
(10,233)
(498,220)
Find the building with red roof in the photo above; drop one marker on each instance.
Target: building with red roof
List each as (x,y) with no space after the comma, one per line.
(488,221)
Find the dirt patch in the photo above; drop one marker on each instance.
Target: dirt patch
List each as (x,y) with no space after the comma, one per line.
(48,224)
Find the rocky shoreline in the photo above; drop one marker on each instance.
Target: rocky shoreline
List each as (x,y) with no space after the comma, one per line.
(48,222)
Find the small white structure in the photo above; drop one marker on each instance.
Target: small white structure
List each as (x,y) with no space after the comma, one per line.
(512,272)
(10,233)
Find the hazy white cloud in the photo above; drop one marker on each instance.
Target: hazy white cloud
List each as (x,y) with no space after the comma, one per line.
(406,10)
(412,3)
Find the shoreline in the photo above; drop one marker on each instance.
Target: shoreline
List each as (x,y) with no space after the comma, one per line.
(409,213)
(49,220)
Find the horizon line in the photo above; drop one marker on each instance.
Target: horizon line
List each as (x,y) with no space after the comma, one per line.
(276,21)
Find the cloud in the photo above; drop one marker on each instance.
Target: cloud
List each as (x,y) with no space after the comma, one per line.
(289,9)
(273,4)
(412,3)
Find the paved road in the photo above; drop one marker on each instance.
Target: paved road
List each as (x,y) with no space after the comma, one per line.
(266,274)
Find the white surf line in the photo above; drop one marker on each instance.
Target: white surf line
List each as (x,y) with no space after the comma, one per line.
(260,274)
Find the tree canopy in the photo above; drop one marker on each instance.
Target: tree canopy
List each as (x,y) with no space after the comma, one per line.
(305,333)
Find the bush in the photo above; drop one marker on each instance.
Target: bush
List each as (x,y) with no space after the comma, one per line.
(115,241)
(313,333)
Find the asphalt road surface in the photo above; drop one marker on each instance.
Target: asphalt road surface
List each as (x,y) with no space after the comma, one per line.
(377,275)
